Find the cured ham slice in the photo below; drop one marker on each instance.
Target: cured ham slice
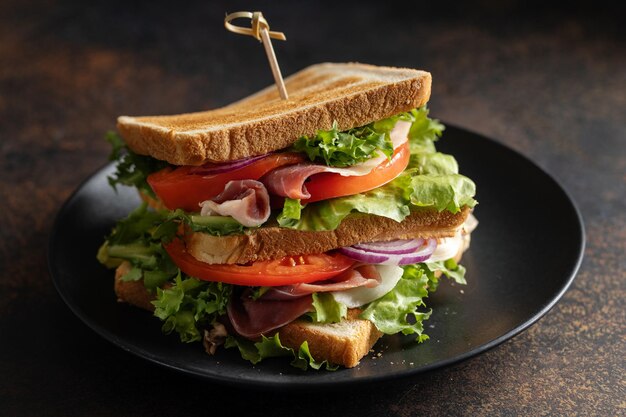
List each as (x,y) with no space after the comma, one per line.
(281,305)
(247,201)
(289,181)
(252,318)
(360,276)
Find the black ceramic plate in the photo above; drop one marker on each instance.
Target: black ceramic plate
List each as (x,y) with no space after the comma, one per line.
(513,276)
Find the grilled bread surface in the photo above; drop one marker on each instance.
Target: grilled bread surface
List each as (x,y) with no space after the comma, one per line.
(351,94)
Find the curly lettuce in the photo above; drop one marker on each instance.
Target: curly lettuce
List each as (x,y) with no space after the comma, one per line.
(190,305)
(343,149)
(271,347)
(350,147)
(131,169)
(403,308)
(138,239)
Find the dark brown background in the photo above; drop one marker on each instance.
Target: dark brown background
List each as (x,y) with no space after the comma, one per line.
(550,83)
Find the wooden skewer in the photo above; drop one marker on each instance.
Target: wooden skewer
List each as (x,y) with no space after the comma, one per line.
(271,57)
(260,30)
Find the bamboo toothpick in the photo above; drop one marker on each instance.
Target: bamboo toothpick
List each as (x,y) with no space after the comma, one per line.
(260,30)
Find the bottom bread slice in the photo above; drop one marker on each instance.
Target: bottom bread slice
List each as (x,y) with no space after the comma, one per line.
(343,343)
(131,292)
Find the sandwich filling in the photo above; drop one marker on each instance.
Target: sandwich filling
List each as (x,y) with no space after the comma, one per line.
(388,169)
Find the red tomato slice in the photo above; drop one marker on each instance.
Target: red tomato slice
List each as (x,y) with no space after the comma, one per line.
(185,187)
(329,185)
(285,271)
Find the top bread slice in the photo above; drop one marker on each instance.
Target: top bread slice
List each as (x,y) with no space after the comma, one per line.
(351,94)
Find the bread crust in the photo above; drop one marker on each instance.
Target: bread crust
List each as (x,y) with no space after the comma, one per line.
(275,242)
(343,343)
(131,292)
(351,94)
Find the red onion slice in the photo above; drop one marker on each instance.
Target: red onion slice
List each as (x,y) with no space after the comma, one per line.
(394,247)
(371,257)
(210,168)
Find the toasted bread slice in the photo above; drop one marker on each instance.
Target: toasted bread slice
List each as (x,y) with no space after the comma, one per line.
(276,242)
(343,343)
(351,94)
(131,292)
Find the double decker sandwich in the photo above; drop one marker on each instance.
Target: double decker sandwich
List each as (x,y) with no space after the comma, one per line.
(307,227)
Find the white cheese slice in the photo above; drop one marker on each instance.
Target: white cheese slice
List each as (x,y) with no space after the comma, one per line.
(356,297)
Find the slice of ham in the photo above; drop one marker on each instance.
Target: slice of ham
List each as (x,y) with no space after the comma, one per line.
(252,318)
(289,181)
(281,305)
(247,201)
(360,276)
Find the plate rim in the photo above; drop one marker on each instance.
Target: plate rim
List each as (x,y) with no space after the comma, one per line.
(297,385)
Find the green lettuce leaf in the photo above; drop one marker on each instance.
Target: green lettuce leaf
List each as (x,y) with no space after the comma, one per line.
(449,268)
(137,239)
(353,146)
(137,226)
(433,163)
(305,358)
(342,149)
(424,131)
(131,169)
(271,347)
(397,311)
(189,305)
(290,215)
(326,309)
(387,201)
(442,192)
(213,225)
(247,349)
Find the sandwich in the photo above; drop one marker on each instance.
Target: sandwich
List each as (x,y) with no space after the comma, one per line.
(306,228)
